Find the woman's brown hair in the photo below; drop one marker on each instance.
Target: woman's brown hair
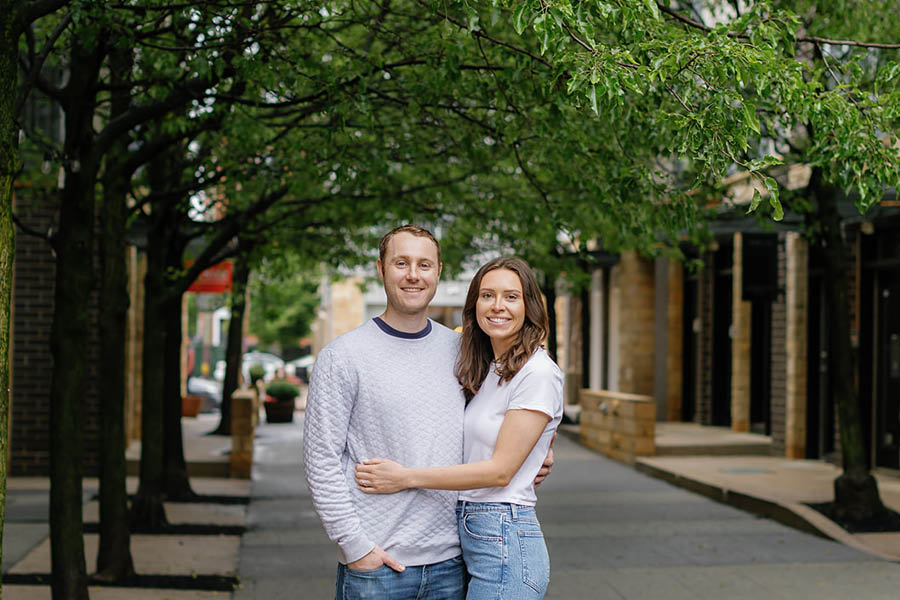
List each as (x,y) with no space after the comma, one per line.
(476,353)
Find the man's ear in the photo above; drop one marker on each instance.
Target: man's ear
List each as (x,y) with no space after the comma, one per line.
(380,268)
(440,269)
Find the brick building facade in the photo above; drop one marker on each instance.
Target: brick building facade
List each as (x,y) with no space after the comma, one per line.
(32,361)
(743,342)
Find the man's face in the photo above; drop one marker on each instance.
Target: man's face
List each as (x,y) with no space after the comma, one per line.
(410,273)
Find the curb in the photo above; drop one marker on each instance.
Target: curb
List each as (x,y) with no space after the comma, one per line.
(793,514)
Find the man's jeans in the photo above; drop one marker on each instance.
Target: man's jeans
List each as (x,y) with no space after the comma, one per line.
(440,581)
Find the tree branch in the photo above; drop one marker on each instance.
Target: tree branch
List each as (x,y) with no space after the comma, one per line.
(36,9)
(38,61)
(809,39)
(47,237)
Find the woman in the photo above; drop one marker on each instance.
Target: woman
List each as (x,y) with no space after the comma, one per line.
(513,391)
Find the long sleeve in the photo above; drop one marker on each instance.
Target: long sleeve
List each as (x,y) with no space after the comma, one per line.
(329,406)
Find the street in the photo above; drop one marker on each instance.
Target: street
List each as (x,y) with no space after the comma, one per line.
(613,533)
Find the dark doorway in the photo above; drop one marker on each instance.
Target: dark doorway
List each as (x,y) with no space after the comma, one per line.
(761,366)
(887,400)
(690,346)
(721,351)
(820,415)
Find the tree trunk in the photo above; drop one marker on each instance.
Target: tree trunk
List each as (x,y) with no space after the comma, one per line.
(147,511)
(856,490)
(234,348)
(72,324)
(549,290)
(114,560)
(176,485)
(9,160)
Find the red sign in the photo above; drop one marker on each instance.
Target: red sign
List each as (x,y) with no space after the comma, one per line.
(214,280)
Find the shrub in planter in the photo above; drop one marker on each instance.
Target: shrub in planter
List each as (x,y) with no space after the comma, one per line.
(280,399)
(257,372)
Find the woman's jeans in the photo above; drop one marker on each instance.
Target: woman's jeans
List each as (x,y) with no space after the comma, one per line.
(504,550)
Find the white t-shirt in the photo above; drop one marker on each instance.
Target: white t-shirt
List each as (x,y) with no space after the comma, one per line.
(537,386)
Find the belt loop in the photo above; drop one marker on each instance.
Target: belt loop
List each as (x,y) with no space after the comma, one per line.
(463,506)
(515,511)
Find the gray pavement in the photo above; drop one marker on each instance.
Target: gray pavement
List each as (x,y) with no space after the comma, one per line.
(613,533)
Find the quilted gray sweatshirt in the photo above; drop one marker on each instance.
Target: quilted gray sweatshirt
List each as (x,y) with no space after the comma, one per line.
(373,394)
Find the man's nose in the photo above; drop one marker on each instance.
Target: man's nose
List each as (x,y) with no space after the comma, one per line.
(412,273)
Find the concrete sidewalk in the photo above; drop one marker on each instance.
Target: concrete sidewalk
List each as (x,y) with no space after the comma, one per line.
(612,532)
(777,488)
(738,469)
(186,556)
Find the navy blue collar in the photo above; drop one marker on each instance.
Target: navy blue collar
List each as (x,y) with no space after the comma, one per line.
(402,334)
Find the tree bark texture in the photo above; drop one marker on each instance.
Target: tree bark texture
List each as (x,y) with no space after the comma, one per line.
(9,155)
(549,289)
(72,324)
(234,347)
(114,560)
(176,485)
(147,511)
(71,327)
(856,490)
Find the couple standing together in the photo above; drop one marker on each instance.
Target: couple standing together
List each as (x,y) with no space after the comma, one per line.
(405,388)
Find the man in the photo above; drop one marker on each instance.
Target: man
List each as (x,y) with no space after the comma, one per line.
(387,389)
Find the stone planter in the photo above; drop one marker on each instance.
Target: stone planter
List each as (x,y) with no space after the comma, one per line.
(190,405)
(279,410)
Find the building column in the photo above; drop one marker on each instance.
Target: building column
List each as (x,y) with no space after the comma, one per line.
(675,358)
(740,345)
(796,298)
(596,337)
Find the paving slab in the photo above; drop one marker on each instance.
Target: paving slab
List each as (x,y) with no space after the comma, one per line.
(37,592)
(779,488)
(154,554)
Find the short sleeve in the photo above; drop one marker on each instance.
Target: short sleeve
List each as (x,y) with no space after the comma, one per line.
(538,386)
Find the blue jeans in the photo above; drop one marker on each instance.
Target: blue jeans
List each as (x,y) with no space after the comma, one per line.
(445,580)
(504,550)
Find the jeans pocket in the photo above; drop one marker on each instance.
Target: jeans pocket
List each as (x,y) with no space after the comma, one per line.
(484,526)
(374,584)
(535,559)
(367,572)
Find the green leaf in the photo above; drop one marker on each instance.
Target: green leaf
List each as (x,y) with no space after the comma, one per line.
(593,96)
(777,209)
(754,204)
(750,117)
(651,4)
(520,17)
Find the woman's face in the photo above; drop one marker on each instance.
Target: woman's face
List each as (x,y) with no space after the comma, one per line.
(500,309)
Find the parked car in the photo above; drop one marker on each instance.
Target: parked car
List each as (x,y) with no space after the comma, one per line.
(209,389)
(301,367)
(270,363)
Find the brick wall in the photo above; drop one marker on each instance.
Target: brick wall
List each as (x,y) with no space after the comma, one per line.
(674,368)
(636,344)
(779,353)
(740,345)
(32,365)
(796,305)
(706,286)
